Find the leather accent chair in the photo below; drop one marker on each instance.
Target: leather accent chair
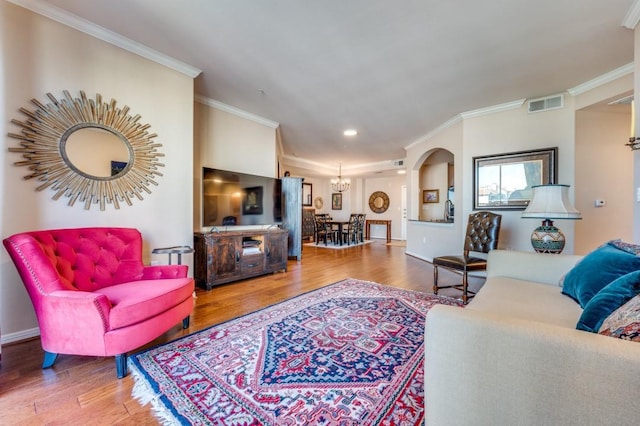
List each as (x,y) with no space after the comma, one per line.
(483,230)
(93,296)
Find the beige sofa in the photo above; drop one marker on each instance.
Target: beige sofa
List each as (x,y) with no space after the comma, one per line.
(514,357)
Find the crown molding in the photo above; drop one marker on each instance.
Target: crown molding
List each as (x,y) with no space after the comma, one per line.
(454,120)
(466,115)
(602,80)
(236,111)
(323,169)
(493,109)
(633,16)
(66,18)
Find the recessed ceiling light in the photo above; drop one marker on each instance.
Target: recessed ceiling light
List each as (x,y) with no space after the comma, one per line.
(350,132)
(402,172)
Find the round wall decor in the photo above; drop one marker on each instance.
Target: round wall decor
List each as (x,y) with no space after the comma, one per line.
(318,203)
(58,139)
(379,202)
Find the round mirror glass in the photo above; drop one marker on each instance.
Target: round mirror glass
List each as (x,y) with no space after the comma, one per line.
(96,152)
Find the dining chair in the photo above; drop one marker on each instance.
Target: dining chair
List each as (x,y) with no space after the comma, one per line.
(360,231)
(321,229)
(483,230)
(350,231)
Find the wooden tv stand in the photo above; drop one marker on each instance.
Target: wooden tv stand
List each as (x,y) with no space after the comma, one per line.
(223,257)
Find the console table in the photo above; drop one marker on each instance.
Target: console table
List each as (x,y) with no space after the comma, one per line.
(369,222)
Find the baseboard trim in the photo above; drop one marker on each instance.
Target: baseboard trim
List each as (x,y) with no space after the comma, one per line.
(20,335)
(419,256)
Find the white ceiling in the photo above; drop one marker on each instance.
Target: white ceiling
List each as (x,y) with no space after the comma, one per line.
(393,70)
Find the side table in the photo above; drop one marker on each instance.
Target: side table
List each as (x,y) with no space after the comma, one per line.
(386,223)
(179,250)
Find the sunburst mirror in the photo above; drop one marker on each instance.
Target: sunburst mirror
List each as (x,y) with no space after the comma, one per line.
(379,202)
(88,150)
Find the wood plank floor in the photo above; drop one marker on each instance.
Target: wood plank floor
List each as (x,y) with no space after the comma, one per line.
(84,390)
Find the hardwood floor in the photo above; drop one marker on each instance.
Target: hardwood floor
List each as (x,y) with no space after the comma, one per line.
(84,390)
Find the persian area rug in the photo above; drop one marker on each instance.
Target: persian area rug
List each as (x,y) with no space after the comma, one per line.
(331,245)
(350,353)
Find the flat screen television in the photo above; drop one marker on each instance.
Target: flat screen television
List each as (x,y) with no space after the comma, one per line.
(234,199)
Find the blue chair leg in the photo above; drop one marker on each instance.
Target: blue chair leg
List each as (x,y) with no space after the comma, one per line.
(185,322)
(49,359)
(121,365)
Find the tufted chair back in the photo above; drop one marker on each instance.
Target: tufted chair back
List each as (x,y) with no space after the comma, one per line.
(483,230)
(83,258)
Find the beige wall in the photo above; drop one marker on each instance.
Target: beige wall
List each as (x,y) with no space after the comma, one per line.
(592,159)
(392,186)
(604,170)
(356,200)
(517,130)
(499,132)
(42,56)
(227,141)
(434,174)
(426,240)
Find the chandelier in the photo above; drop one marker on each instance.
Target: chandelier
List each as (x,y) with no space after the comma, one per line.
(339,184)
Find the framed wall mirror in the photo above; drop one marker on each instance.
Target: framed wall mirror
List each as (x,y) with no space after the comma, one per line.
(87,150)
(505,181)
(307,194)
(379,202)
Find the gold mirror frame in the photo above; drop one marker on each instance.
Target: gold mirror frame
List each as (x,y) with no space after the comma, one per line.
(45,133)
(377,198)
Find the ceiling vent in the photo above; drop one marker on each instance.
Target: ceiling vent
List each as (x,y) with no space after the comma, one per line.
(545,104)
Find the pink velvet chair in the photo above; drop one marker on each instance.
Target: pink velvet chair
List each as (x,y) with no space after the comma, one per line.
(92,294)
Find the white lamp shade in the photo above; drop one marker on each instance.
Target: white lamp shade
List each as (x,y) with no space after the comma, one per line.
(551,202)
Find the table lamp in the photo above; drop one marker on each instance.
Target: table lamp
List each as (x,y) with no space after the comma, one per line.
(549,202)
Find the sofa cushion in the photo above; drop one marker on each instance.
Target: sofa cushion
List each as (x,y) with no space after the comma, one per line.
(610,298)
(624,322)
(596,270)
(140,300)
(527,300)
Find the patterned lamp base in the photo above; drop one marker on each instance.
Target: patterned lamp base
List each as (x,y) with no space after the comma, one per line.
(546,238)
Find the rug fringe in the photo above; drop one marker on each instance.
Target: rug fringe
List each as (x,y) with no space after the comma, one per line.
(144,394)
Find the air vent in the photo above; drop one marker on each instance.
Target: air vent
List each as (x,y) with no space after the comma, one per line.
(545,104)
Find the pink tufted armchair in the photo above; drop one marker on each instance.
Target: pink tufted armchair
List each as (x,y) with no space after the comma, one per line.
(93,296)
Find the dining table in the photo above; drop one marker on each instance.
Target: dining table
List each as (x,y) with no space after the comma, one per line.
(340,227)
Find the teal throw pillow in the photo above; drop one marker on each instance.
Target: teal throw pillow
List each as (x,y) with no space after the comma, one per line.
(596,270)
(608,300)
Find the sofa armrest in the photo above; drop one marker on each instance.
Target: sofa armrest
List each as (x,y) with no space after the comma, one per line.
(529,266)
(481,369)
(69,318)
(164,271)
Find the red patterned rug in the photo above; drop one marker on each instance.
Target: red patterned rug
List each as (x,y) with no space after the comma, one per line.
(350,353)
